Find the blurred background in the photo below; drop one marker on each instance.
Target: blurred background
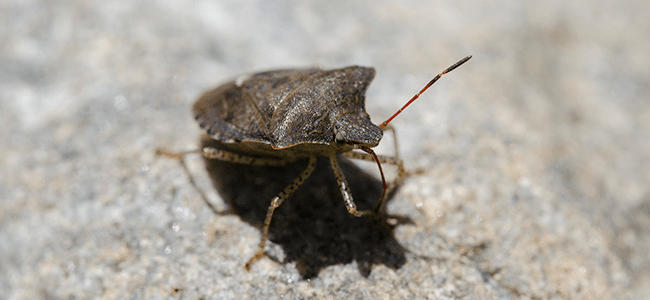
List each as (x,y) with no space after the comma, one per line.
(537,150)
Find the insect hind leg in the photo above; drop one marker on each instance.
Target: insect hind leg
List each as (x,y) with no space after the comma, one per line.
(177,155)
(224,155)
(180,156)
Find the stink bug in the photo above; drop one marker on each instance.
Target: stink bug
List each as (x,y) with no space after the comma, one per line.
(278,117)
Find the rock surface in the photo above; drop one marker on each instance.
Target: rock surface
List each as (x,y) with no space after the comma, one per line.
(537,151)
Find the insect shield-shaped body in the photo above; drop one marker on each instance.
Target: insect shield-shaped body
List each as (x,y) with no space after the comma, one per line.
(291,113)
(277,117)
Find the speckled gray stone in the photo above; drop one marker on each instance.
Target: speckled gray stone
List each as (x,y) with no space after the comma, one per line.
(537,151)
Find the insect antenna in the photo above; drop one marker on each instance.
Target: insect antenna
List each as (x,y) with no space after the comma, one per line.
(454,66)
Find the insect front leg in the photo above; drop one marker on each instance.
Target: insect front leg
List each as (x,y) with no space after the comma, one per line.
(401,173)
(395,145)
(344,187)
(276,202)
(396,160)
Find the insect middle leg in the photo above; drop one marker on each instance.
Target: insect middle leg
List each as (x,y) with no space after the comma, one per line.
(344,187)
(276,202)
(213,153)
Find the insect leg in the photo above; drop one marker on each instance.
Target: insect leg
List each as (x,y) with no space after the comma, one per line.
(345,190)
(395,145)
(277,200)
(401,173)
(180,156)
(214,153)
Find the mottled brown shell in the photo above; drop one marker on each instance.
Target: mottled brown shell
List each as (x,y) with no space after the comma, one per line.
(311,110)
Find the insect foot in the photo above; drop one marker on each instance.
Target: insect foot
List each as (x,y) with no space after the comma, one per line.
(289,123)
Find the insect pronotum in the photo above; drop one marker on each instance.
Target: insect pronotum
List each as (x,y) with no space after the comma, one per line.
(278,117)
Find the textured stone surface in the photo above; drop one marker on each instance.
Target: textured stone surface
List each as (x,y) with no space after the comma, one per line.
(537,150)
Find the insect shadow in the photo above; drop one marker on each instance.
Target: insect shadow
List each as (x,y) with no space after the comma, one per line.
(270,133)
(312,227)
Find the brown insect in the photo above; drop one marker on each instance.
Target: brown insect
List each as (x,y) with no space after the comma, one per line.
(278,117)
